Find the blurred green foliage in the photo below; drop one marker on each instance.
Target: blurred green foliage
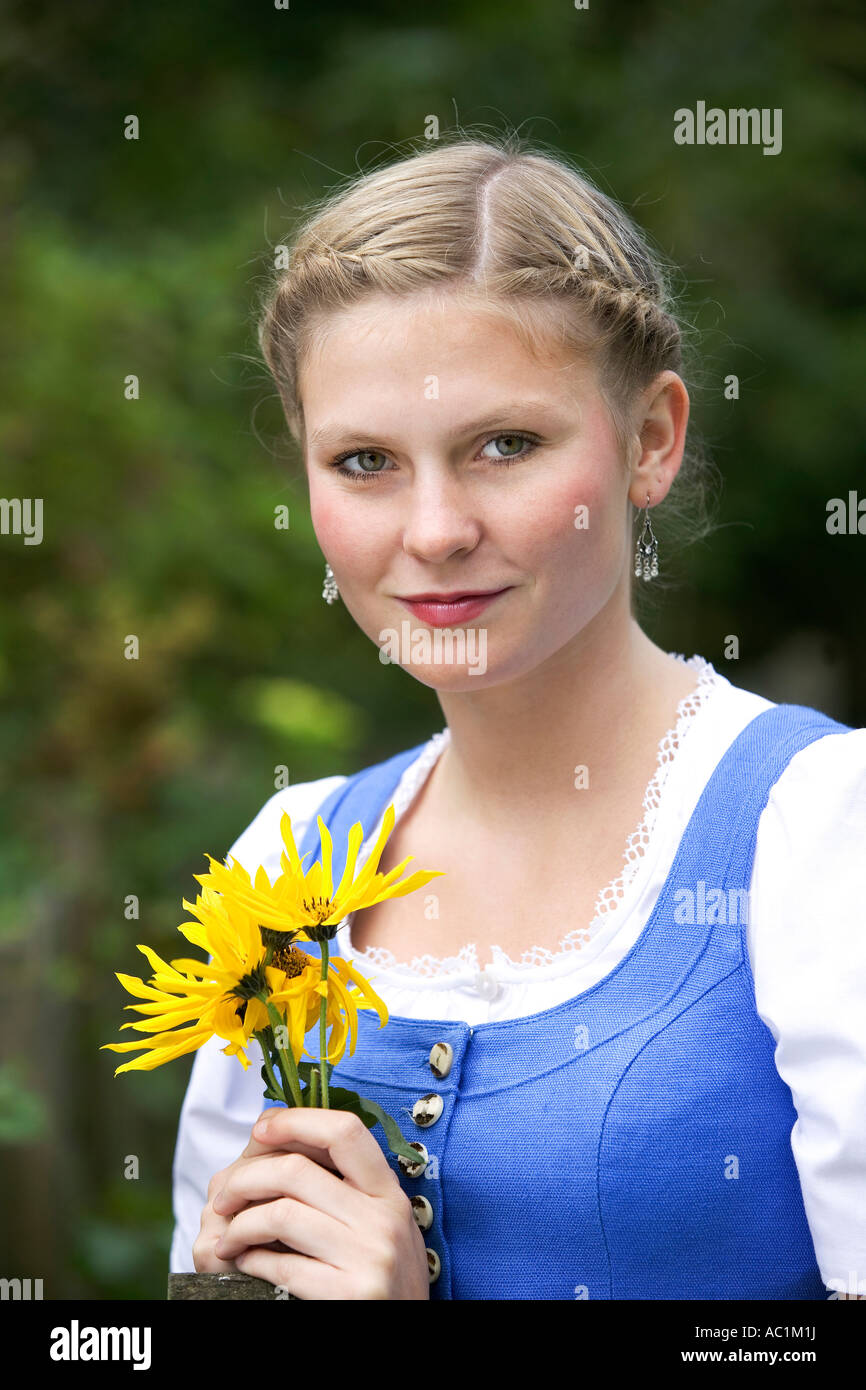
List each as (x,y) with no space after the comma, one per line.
(147,257)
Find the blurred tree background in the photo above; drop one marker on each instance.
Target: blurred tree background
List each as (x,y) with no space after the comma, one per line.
(147,257)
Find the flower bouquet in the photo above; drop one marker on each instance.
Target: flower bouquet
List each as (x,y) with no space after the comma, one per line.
(260,984)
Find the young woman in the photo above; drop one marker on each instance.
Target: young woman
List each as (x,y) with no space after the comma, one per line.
(627,1028)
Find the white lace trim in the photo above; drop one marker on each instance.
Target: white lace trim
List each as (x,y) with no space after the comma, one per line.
(608,900)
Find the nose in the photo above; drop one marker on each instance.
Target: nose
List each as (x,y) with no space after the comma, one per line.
(440,518)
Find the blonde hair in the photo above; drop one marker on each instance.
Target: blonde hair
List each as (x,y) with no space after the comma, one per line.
(503,221)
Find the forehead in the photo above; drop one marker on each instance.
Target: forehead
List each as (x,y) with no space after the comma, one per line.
(464,343)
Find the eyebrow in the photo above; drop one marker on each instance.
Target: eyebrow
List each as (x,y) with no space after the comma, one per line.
(334,435)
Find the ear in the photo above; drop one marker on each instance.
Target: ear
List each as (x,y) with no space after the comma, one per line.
(661,419)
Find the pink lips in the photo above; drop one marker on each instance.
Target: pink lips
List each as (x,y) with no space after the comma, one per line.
(441,613)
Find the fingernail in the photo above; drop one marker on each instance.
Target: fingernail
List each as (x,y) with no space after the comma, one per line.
(262,1129)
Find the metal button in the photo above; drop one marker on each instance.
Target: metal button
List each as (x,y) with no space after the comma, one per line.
(434,1265)
(427,1110)
(422,1212)
(441,1058)
(414,1170)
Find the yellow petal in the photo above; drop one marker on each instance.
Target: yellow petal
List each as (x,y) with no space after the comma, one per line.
(206,970)
(289,842)
(156,1056)
(181,1013)
(327,860)
(133,985)
(234,1050)
(356,839)
(338,1034)
(262,882)
(345,967)
(347,1002)
(256,1016)
(376,894)
(372,863)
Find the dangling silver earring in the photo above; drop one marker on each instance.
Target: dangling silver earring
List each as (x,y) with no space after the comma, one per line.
(646,557)
(330,593)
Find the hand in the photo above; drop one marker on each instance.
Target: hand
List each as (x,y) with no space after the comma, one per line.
(316,1189)
(214,1225)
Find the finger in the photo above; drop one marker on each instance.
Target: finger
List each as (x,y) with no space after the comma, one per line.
(205,1258)
(297,1274)
(316,1155)
(303,1229)
(287,1175)
(342,1136)
(255,1149)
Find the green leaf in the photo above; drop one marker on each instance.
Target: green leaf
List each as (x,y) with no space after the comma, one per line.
(396,1143)
(373,1114)
(269,1092)
(305,1068)
(341,1099)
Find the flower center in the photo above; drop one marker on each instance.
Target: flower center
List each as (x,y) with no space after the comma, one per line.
(291,960)
(320,907)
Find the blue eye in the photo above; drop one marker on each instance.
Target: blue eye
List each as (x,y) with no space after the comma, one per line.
(364,475)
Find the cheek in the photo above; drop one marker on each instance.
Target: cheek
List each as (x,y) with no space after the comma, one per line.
(346,538)
(331,520)
(573,521)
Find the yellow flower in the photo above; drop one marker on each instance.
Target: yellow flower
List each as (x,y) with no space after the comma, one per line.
(210,998)
(300,998)
(248,929)
(304,901)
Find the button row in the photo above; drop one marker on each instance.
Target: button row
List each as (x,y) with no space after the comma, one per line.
(426,1112)
(422,1211)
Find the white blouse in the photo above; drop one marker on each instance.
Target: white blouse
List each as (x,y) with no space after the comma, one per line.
(806,939)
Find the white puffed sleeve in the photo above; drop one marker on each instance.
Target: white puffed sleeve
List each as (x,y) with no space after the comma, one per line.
(222,1100)
(807,948)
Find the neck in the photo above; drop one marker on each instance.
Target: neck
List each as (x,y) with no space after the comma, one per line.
(603,702)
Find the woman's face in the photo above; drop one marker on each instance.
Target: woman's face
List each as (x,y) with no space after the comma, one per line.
(474,466)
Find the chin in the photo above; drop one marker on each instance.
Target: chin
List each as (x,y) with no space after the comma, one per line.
(451,680)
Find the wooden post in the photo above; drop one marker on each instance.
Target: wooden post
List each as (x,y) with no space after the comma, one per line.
(232,1285)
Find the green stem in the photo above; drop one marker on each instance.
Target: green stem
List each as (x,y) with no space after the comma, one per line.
(323,1034)
(275,1085)
(288,1070)
(314,1087)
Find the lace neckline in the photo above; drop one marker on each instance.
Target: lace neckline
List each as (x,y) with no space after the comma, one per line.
(610,898)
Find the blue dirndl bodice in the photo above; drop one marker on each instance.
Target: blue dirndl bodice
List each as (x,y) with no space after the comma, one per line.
(633,1142)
